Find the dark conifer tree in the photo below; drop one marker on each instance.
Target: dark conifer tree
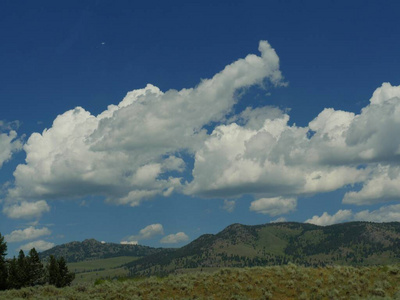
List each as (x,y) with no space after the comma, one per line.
(65,277)
(52,270)
(58,272)
(3,266)
(22,269)
(35,269)
(13,275)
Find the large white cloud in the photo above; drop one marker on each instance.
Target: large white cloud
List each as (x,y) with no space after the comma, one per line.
(131,151)
(273,160)
(29,233)
(383,185)
(270,158)
(136,150)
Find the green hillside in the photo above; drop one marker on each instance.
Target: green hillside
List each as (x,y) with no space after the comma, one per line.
(354,243)
(91,249)
(90,270)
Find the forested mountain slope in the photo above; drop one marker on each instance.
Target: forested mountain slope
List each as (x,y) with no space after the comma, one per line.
(354,243)
(92,249)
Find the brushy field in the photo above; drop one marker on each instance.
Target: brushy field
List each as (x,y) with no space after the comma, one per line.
(278,282)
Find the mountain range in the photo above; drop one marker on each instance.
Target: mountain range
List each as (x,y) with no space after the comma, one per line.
(92,249)
(353,243)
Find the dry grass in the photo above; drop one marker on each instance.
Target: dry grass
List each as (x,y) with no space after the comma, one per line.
(286,282)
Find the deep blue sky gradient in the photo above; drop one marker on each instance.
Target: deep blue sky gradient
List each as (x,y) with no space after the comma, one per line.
(56,55)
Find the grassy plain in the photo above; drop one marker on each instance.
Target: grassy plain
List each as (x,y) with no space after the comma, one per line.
(277,282)
(89,271)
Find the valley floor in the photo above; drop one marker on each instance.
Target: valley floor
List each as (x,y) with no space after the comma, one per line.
(278,282)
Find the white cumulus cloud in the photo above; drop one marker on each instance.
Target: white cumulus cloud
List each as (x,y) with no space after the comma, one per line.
(26,209)
(146,233)
(174,238)
(29,233)
(9,143)
(261,154)
(273,160)
(39,245)
(327,219)
(383,185)
(387,213)
(137,149)
(130,152)
(390,213)
(274,206)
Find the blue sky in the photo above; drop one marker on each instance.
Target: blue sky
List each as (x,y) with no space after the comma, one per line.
(221,112)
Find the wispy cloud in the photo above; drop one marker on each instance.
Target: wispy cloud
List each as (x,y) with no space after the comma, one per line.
(278,220)
(229,205)
(129,242)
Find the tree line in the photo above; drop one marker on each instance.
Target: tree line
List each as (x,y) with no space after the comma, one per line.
(29,270)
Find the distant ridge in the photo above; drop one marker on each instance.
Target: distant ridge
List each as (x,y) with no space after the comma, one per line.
(92,249)
(353,243)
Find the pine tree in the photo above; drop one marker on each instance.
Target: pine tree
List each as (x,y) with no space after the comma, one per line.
(22,269)
(13,278)
(58,273)
(65,277)
(3,266)
(35,269)
(52,269)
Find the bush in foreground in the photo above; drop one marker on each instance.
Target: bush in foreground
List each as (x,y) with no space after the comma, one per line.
(283,282)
